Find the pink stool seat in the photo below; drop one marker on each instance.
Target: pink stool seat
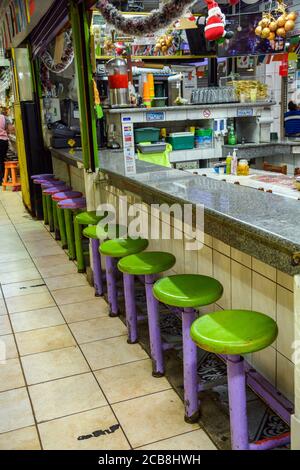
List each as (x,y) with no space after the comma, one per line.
(61,196)
(54,190)
(43,176)
(50,184)
(79,203)
(44,181)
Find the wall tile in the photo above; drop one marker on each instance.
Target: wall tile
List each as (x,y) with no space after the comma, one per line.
(221,247)
(240,286)
(221,271)
(264,269)
(285,321)
(205,261)
(285,377)
(285,280)
(263,295)
(241,257)
(265,362)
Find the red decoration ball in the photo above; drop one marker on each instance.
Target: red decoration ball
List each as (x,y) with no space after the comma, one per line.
(233,2)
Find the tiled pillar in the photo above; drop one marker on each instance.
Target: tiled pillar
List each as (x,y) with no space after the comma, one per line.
(296,417)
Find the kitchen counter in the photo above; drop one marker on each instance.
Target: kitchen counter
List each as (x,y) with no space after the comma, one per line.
(262,225)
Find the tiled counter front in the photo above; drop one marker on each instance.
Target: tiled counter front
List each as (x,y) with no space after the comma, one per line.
(71,174)
(248,284)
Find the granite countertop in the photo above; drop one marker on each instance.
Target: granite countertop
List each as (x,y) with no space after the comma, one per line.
(260,224)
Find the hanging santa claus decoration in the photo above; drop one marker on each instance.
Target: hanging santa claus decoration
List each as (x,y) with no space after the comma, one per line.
(215,23)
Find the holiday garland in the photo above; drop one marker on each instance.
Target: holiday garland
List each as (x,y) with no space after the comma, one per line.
(66,60)
(141,25)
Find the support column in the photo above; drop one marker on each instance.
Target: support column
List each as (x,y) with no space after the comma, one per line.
(295,420)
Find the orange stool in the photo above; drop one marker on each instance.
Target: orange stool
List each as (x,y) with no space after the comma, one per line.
(10,171)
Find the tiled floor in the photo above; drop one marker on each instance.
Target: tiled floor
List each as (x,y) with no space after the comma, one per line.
(70,380)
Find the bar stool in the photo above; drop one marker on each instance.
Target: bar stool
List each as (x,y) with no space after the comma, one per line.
(39,199)
(96,234)
(46,184)
(48,192)
(69,207)
(58,218)
(114,250)
(188,292)
(82,219)
(10,171)
(233,333)
(148,264)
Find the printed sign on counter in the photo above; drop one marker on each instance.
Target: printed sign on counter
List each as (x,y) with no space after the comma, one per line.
(155,116)
(245,112)
(128,146)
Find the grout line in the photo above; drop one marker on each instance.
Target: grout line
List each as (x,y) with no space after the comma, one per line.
(81,353)
(177,435)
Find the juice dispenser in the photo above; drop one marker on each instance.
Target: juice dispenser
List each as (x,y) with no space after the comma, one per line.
(118,82)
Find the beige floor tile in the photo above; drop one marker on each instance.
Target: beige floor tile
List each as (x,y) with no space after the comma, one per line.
(98,328)
(5,328)
(21,439)
(3,310)
(11,375)
(195,440)
(15,410)
(163,412)
(128,381)
(67,396)
(66,267)
(19,276)
(81,311)
(53,365)
(14,256)
(44,248)
(50,261)
(29,302)
(35,286)
(66,433)
(111,352)
(8,349)
(35,319)
(15,266)
(68,280)
(73,294)
(45,339)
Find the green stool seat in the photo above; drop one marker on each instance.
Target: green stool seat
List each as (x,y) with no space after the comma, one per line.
(120,247)
(88,218)
(147,263)
(188,290)
(98,232)
(234,332)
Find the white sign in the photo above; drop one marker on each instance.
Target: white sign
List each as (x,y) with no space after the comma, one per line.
(128,146)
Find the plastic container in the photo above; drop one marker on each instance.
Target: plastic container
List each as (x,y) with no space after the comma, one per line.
(208,135)
(159,102)
(181,140)
(228,164)
(146,134)
(199,138)
(160,147)
(243,168)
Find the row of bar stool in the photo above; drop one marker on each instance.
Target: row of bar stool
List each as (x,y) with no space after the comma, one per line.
(230,334)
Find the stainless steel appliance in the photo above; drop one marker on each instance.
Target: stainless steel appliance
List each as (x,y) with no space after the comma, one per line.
(118,83)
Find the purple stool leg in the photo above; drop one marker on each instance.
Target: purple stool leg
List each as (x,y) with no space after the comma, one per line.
(130,306)
(237,403)
(190,377)
(112,292)
(97,268)
(154,328)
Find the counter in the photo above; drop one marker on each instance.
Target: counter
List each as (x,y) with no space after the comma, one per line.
(251,245)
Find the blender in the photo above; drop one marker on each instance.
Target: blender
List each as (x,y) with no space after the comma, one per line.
(118,83)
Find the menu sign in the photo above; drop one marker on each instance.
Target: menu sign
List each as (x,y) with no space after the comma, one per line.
(128,146)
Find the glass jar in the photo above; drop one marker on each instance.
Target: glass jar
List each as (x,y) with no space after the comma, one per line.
(243,168)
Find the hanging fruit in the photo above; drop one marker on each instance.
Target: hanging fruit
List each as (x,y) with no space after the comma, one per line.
(270,27)
(164,44)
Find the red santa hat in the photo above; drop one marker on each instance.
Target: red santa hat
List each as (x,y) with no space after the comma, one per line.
(215,22)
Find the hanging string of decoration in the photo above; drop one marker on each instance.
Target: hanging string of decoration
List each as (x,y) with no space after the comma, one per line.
(66,59)
(141,25)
